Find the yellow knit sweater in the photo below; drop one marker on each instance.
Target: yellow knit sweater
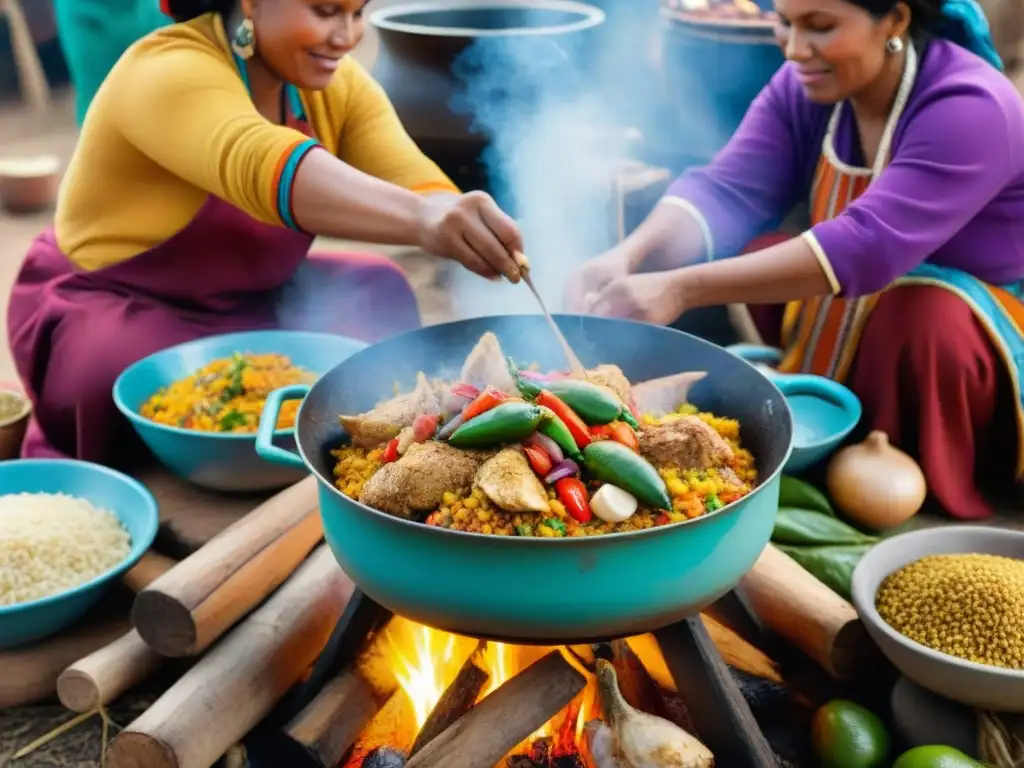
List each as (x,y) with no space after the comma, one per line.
(173,123)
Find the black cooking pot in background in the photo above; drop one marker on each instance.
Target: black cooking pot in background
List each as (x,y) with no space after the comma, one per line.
(425,64)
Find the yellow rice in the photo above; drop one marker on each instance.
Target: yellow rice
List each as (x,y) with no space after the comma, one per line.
(691,492)
(228,395)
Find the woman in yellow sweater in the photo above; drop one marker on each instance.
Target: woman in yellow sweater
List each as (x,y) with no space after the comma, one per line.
(212,154)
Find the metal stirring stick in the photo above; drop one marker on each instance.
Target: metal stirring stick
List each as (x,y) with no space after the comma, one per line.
(524,266)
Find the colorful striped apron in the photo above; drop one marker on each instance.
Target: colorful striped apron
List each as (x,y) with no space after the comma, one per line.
(820,335)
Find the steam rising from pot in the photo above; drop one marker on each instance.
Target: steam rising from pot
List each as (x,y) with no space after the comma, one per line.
(561,111)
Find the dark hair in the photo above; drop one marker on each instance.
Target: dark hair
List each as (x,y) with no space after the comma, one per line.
(183,10)
(924,14)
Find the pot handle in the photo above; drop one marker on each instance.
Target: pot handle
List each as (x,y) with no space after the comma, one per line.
(822,388)
(757,353)
(268,420)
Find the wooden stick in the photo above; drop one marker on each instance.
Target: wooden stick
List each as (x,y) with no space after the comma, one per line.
(34,86)
(482,737)
(796,606)
(457,699)
(740,654)
(184,611)
(721,718)
(30,673)
(148,569)
(105,674)
(234,686)
(332,722)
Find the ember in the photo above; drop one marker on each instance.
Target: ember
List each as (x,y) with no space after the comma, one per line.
(489,705)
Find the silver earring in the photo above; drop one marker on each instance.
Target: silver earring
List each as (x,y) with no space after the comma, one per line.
(894,44)
(243,42)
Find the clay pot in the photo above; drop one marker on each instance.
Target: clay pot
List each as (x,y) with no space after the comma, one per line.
(29,185)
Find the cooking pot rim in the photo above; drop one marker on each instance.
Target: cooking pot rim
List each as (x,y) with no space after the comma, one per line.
(387,18)
(755,28)
(785,418)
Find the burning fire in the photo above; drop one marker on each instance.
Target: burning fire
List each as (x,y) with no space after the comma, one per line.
(425,661)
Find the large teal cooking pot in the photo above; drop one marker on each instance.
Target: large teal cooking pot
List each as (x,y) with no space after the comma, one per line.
(542,590)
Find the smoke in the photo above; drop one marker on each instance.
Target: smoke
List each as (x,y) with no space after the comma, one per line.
(562,112)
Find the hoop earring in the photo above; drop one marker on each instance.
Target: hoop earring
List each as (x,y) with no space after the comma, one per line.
(894,45)
(243,42)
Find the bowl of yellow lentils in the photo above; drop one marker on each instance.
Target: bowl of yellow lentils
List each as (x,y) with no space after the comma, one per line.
(946,607)
(197,405)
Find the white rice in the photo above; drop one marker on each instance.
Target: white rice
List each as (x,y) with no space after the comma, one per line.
(52,542)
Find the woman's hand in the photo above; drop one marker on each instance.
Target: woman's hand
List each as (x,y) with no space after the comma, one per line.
(589,279)
(472,230)
(653,297)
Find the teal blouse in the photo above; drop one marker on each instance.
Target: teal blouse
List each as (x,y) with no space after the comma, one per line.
(94,34)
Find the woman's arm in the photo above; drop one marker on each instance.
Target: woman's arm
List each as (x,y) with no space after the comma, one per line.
(753,182)
(373,139)
(182,104)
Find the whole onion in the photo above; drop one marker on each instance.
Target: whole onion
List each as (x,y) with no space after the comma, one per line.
(876,485)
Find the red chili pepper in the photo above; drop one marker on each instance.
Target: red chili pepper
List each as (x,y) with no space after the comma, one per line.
(620,432)
(483,402)
(538,458)
(424,427)
(573,494)
(390,451)
(467,391)
(580,432)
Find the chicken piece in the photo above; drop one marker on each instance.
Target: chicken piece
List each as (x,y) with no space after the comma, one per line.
(687,443)
(611,378)
(509,482)
(486,367)
(658,397)
(373,428)
(451,403)
(418,480)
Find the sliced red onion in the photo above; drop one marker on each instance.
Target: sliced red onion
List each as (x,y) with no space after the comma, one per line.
(533,375)
(549,446)
(449,428)
(461,389)
(565,468)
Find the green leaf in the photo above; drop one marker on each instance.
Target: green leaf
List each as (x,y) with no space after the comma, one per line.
(832,566)
(802,526)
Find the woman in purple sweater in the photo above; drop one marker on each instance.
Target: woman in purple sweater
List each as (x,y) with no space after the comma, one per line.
(894,118)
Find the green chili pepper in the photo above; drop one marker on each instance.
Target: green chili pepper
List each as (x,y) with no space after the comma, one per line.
(527,388)
(832,566)
(555,428)
(800,495)
(505,423)
(802,526)
(594,404)
(614,463)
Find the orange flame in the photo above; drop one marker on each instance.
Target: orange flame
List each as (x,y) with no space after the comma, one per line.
(425,661)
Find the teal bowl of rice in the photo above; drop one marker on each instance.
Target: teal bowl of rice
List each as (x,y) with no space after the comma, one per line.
(68,530)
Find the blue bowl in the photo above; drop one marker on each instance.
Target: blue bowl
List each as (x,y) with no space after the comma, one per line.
(223,461)
(134,506)
(824,411)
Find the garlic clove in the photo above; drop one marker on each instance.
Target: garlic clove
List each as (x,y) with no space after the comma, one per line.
(612,504)
(642,740)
